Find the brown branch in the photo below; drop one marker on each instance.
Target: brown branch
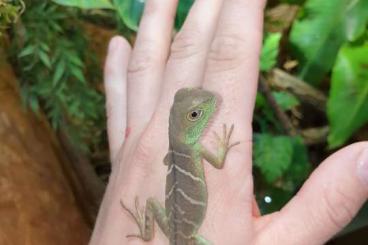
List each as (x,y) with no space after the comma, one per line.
(305,92)
(312,136)
(280,114)
(88,187)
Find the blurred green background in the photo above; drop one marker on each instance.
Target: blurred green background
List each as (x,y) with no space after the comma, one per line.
(312,99)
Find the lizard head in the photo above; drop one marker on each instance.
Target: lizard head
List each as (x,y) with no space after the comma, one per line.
(190,114)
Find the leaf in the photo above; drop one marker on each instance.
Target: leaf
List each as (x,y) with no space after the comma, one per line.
(270,51)
(130,11)
(182,12)
(26,51)
(300,167)
(45,59)
(77,73)
(86,4)
(319,33)
(260,101)
(33,104)
(285,100)
(347,106)
(356,21)
(45,47)
(75,59)
(59,72)
(272,155)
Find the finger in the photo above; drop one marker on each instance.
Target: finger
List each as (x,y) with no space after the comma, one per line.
(232,72)
(189,50)
(256,212)
(232,69)
(148,61)
(328,201)
(115,76)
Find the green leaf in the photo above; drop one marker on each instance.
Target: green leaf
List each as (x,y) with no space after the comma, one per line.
(285,100)
(59,72)
(300,167)
(86,4)
(260,101)
(45,47)
(272,155)
(319,32)
(270,51)
(347,106)
(26,51)
(356,21)
(182,12)
(130,11)
(33,104)
(75,59)
(77,73)
(45,59)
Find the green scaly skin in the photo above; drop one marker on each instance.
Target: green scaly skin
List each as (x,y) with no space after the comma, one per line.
(186,190)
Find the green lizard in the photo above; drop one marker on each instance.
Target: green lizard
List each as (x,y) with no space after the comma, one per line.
(186,191)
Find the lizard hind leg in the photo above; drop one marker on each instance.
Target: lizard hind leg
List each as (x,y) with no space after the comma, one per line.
(145,218)
(139,219)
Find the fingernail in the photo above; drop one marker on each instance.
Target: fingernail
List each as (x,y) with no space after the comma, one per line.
(363,165)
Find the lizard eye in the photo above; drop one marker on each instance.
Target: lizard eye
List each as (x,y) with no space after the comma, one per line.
(194,115)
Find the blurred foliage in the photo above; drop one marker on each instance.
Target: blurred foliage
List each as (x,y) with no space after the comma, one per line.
(53,59)
(322,42)
(348,101)
(270,51)
(129,11)
(9,13)
(320,30)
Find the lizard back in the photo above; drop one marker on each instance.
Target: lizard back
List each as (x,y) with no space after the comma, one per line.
(186,191)
(186,194)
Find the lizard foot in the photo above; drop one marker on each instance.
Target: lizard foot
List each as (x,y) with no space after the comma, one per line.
(224,141)
(138,217)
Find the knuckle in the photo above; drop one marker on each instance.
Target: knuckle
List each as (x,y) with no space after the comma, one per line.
(143,151)
(185,45)
(147,145)
(339,207)
(230,49)
(143,60)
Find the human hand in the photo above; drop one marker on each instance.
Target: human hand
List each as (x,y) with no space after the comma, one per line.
(217,49)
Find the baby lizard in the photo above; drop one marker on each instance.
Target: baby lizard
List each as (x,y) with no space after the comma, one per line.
(186,191)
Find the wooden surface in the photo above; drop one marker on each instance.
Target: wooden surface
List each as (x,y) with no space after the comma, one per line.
(37,205)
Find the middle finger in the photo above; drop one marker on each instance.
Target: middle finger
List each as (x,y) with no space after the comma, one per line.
(186,64)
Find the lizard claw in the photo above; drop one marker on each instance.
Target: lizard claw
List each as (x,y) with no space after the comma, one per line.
(134,235)
(137,216)
(225,140)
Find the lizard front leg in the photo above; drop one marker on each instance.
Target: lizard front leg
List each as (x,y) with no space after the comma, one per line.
(218,160)
(145,218)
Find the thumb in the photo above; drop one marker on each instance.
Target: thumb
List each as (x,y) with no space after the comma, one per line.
(327,202)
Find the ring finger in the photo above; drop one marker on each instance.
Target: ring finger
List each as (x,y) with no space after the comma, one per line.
(148,61)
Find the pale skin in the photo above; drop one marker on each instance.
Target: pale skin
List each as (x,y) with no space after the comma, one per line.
(217,49)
